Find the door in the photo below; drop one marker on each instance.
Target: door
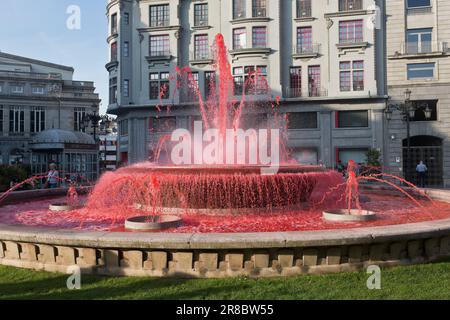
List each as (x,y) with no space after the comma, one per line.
(429,150)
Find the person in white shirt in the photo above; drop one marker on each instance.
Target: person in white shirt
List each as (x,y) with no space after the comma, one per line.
(52,176)
(421,170)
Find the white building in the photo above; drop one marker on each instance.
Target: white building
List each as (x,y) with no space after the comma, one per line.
(324,58)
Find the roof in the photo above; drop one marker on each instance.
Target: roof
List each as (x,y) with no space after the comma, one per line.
(40,62)
(57,136)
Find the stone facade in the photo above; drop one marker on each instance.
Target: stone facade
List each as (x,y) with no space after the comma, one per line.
(35,96)
(325,140)
(419,36)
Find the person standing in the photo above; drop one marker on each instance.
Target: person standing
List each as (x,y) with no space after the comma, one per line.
(52,176)
(421,170)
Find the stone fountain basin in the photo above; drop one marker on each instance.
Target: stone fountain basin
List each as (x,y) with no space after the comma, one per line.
(58,207)
(143,223)
(343,215)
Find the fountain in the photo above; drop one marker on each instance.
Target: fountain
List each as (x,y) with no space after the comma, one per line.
(215,212)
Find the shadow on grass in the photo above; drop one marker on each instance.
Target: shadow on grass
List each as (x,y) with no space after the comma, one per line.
(52,287)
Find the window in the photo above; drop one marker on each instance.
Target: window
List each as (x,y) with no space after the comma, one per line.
(123,128)
(159,46)
(259,8)
(358,75)
(114,51)
(126,88)
(192,87)
(303,8)
(352,119)
(210,83)
(295,82)
(420,71)
(37,119)
(421,106)
(159,85)
(250,80)
(201,47)
(163,124)
(239,38)
(16,120)
(304,40)
(259,37)
(418,3)
(37,90)
(239,9)
(349,5)
(351,31)
(114,23)
(302,120)
(351,73)
(126,18)
(126,49)
(201,14)
(314,81)
(419,41)
(159,15)
(1,87)
(113,90)
(78,117)
(17,89)
(1,120)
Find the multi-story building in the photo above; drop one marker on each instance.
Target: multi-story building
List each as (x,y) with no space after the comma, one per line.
(324,59)
(418,60)
(108,145)
(35,96)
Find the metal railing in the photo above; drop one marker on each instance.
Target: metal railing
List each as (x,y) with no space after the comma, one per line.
(304,11)
(199,55)
(160,22)
(424,47)
(259,12)
(31,75)
(159,53)
(311,92)
(307,49)
(419,11)
(350,5)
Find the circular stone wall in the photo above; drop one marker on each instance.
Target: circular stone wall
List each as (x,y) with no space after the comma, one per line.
(224,255)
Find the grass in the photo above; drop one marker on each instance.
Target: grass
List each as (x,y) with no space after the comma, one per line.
(430,281)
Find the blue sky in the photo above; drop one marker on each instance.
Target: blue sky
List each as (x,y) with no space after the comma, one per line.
(37,29)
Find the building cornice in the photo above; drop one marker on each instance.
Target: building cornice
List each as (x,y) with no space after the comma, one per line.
(34,61)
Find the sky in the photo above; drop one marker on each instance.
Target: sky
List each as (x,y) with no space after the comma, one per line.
(38,29)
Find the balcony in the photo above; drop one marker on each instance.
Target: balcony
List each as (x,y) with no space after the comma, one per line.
(161,23)
(306,51)
(159,55)
(312,92)
(350,5)
(201,57)
(259,12)
(352,43)
(30,75)
(419,11)
(201,23)
(304,12)
(421,49)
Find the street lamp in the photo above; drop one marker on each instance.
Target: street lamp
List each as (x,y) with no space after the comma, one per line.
(408,110)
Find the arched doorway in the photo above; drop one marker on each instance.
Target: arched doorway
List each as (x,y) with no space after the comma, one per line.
(429,150)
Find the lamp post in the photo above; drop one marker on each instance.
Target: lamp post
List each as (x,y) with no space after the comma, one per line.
(408,110)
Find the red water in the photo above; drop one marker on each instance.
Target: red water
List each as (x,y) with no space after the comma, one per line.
(391,210)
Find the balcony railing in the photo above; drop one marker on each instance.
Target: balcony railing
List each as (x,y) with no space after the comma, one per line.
(259,12)
(309,93)
(304,12)
(199,55)
(312,49)
(424,47)
(159,53)
(159,23)
(350,5)
(419,11)
(201,22)
(30,75)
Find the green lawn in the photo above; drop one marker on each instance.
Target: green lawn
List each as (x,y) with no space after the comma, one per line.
(413,282)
